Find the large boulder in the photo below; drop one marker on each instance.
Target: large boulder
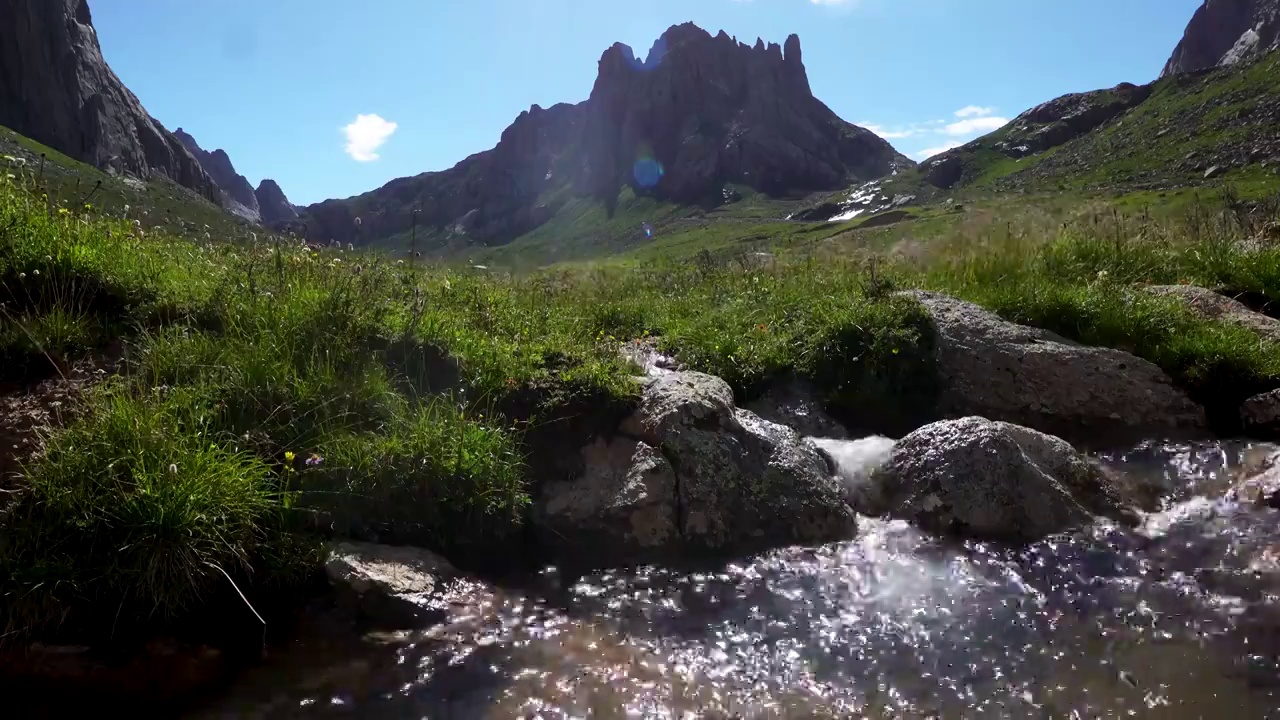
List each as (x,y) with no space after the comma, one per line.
(978,478)
(689,474)
(391,586)
(1004,371)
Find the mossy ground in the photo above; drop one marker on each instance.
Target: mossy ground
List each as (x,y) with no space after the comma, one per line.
(271,393)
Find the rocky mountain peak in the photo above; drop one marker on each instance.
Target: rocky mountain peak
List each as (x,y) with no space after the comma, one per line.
(275,208)
(697,113)
(703,110)
(56,88)
(237,194)
(1225,32)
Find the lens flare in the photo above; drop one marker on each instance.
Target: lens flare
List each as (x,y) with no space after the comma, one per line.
(647,172)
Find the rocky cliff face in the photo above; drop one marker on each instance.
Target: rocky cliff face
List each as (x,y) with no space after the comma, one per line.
(56,88)
(276,210)
(697,113)
(700,111)
(1224,32)
(237,194)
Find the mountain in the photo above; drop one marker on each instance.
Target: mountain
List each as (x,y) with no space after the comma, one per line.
(275,208)
(266,205)
(695,118)
(1183,130)
(238,194)
(56,88)
(1224,32)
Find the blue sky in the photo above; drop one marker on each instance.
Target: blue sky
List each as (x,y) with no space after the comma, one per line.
(332,98)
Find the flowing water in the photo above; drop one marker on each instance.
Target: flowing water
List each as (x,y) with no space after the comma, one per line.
(1167,622)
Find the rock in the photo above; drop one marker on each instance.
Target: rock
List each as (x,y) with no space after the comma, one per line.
(697,114)
(884,219)
(1260,414)
(56,88)
(1261,490)
(153,679)
(1226,32)
(1000,370)
(943,171)
(1214,171)
(977,478)
(689,474)
(795,403)
(1213,306)
(389,585)
(238,196)
(275,208)
(623,505)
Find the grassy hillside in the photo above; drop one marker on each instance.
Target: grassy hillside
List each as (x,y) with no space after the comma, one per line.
(156,204)
(1182,131)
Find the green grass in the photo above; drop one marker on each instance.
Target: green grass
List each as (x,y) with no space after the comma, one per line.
(1187,125)
(272,394)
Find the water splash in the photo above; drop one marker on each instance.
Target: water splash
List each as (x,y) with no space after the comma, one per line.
(1101,623)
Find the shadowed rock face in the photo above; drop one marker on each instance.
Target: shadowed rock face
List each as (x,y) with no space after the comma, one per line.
(56,88)
(237,194)
(698,112)
(275,208)
(711,110)
(1224,32)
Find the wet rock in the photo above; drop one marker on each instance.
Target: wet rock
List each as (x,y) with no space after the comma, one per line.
(389,585)
(624,503)
(1004,371)
(977,478)
(1261,490)
(1213,306)
(1260,414)
(796,403)
(163,673)
(691,474)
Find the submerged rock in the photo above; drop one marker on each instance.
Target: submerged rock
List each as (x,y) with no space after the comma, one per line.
(691,474)
(389,585)
(974,477)
(1004,371)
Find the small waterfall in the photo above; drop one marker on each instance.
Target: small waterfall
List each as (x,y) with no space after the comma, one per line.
(856,461)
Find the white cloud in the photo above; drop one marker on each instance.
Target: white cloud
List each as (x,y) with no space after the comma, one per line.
(975,126)
(930,152)
(887,133)
(941,135)
(365,135)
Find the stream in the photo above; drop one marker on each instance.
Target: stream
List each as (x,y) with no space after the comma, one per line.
(1169,621)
